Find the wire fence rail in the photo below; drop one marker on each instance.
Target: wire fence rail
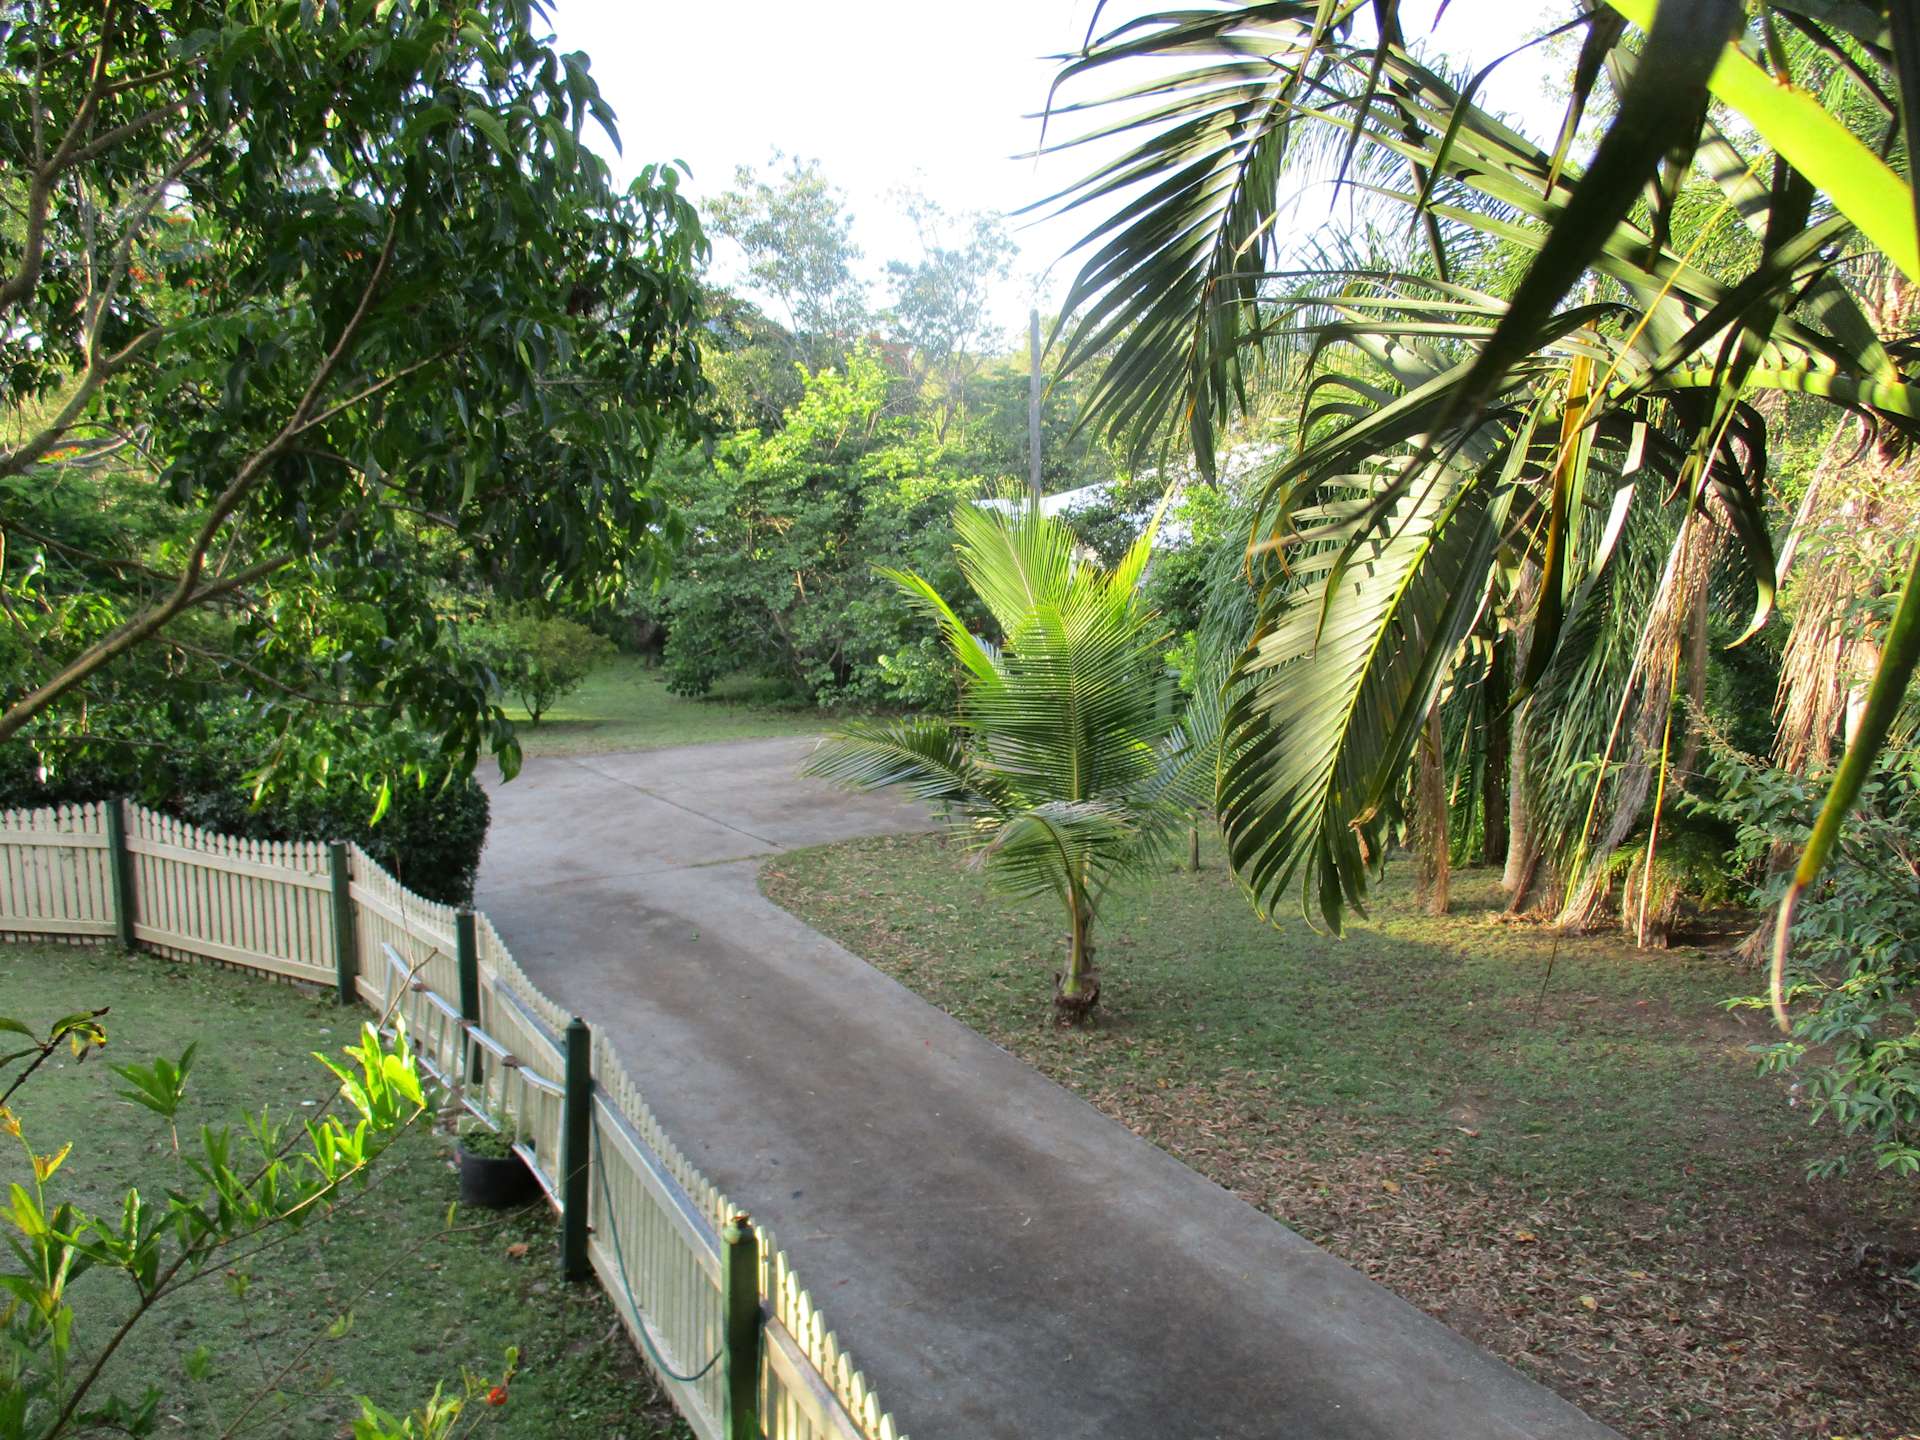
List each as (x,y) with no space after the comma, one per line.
(711,1304)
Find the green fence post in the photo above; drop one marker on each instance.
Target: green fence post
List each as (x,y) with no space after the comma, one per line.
(346,943)
(742,1276)
(120,872)
(575,1136)
(466,946)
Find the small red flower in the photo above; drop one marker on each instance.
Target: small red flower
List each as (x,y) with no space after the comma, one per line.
(497,1395)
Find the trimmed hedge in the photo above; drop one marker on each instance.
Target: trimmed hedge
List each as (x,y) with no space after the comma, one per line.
(430,838)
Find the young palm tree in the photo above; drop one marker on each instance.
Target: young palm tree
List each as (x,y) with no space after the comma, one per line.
(1462,421)
(1064,767)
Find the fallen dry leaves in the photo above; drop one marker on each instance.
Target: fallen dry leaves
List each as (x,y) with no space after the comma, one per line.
(1708,1322)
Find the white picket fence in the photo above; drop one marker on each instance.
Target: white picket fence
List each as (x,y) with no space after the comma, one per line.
(98,872)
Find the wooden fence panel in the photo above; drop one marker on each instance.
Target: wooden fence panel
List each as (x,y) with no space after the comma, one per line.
(660,1263)
(258,904)
(655,1219)
(53,872)
(387,913)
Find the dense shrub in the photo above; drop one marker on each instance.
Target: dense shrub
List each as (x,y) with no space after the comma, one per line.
(535,658)
(1854,971)
(785,535)
(205,772)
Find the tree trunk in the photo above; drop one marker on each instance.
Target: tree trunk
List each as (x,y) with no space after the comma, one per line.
(1078,991)
(1430,817)
(1494,800)
(1697,660)
(1523,851)
(1859,510)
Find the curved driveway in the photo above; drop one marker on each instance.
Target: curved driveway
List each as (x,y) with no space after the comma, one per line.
(1000,1258)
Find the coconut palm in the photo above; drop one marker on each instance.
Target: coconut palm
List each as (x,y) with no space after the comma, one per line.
(1465,422)
(1064,766)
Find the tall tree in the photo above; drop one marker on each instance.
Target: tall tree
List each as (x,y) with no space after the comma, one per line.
(941,309)
(329,289)
(795,230)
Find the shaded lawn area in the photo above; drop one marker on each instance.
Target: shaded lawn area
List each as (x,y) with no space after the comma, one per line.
(422,1301)
(624,705)
(1600,1189)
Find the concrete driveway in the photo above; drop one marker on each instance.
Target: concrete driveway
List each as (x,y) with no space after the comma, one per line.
(1000,1258)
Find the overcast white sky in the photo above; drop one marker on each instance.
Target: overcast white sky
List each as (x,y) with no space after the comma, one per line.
(884,93)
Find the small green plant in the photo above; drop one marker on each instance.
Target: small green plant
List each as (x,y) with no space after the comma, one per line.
(1853,982)
(476,1137)
(437,1419)
(247,1182)
(536,658)
(1063,769)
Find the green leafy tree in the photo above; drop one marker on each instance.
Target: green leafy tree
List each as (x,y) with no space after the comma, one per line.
(750,362)
(784,532)
(537,658)
(1855,978)
(1063,766)
(941,312)
(1072,454)
(796,233)
(342,296)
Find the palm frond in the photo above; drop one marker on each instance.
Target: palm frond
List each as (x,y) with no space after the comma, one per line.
(1032,852)
(1324,708)
(925,756)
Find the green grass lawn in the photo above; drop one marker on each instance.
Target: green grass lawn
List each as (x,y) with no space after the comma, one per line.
(626,706)
(1593,1181)
(421,1301)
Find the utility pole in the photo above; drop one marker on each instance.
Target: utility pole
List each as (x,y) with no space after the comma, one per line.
(1033,404)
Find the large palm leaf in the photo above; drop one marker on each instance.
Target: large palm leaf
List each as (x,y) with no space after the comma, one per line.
(1328,700)
(1665,357)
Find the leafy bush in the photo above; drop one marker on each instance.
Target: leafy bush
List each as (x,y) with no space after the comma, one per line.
(242,1183)
(535,658)
(485,1142)
(785,534)
(1854,969)
(204,767)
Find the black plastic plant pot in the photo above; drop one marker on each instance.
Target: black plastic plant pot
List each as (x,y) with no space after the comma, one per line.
(495,1182)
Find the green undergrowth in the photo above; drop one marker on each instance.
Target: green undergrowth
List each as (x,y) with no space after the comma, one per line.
(383,1299)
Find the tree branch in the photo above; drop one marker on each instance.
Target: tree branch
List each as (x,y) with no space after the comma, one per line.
(143,627)
(40,186)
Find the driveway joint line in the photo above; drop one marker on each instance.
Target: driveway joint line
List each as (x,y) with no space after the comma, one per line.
(688,809)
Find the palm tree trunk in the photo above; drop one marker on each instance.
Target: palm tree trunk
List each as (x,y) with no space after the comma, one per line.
(1698,659)
(1523,850)
(1430,817)
(1859,508)
(1495,815)
(1076,979)
(1078,991)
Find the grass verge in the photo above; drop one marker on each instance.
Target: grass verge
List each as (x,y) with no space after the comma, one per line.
(624,705)
(382,1299)
(1590,1180)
